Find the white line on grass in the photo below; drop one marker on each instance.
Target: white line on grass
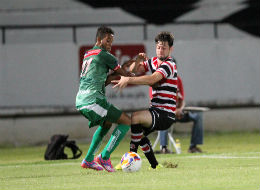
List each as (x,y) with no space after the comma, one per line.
(38,164)
(224,157)
(195,156)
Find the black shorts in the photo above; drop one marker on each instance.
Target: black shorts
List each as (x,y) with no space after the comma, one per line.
(161,120)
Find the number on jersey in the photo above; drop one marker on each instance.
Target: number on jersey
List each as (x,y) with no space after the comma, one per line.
(85,66)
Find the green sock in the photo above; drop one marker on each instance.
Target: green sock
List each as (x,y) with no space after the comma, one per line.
(116,137)
(96,142)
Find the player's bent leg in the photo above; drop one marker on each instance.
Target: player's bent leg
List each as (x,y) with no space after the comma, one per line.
(143,117)
(96,141)
(147,119)
(139,120)
(116,137)
(136,136)
(124,119)
(148,151)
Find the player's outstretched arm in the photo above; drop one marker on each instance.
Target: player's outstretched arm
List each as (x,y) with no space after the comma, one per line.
(123,71)
(141,80)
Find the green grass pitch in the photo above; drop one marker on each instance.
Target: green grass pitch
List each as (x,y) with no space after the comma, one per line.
(231,162)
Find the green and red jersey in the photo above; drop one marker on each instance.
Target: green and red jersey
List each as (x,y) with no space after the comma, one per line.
(95,68)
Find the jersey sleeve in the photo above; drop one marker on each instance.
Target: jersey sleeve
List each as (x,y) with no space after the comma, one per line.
(146,65)
(111,61)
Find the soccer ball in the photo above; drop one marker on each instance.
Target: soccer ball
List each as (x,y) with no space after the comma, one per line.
(131,162)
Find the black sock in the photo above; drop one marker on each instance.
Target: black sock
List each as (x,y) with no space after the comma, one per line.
(136,136)
(134,146)
(148,151)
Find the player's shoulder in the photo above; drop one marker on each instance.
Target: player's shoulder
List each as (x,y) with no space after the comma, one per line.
(169,61)
(151,60)
(107,54)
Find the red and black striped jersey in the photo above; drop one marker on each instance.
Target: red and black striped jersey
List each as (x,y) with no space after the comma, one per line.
(165,92)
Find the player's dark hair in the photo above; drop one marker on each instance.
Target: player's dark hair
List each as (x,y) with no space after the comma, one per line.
(165,37)
(102,31)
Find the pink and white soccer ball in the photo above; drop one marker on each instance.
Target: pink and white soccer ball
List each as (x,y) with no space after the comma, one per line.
(131,162)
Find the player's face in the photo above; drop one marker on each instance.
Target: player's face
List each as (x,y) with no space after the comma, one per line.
(107,41)
(163,50)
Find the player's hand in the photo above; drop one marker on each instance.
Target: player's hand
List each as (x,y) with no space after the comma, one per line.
(130,74)
(179,113)
(141,57)
(120,84)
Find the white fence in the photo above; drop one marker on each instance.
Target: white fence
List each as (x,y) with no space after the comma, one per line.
(214,72)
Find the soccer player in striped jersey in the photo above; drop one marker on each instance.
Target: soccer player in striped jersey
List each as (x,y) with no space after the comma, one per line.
(92,103)
(163,80)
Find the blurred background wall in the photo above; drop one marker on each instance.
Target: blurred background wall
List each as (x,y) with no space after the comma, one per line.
(216,46)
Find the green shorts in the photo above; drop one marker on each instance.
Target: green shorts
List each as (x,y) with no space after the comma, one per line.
(99,112)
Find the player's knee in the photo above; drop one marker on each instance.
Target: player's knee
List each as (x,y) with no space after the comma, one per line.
(107,124)
(135,118)
(124,119)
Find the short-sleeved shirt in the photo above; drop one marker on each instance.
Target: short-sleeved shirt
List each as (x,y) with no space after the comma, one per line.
(91,100)
(95,68)
(164,95)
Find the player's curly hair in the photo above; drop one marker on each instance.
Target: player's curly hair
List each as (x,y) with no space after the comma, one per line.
(102,31)
(165,37)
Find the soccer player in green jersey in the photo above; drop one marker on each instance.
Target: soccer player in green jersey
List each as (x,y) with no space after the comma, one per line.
(92,103)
